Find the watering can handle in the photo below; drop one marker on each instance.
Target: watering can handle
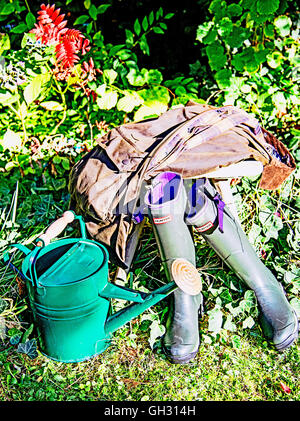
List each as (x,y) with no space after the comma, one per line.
(58,226)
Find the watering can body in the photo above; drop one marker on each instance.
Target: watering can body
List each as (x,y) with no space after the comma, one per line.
(70,297)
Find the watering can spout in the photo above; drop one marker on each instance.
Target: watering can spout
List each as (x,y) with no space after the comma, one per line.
(142,302)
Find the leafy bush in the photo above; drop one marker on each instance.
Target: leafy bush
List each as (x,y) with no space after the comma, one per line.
(66,86)
(251,47)
(61,87)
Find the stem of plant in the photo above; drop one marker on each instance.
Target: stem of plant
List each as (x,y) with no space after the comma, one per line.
(28,8)
(63,98)
(19,114)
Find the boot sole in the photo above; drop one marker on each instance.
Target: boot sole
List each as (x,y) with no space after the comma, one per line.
(291,338)
(185,359)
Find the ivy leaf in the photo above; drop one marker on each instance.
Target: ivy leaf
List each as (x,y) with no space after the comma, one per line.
(254,234)
(229,325)
(156,331)
(236,342)
(3,303)
(215,320)
(248,322)
(29,348)
(295,303)
(15,339)
(248,304)
(2,329)
(225,295)
(270,221)
(293,238)
(235,311)
(266,209)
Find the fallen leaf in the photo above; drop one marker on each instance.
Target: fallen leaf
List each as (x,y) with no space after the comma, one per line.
(285,388)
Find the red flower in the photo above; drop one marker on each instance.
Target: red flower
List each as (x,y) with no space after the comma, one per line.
(51,25)
(66,53)
(51,30)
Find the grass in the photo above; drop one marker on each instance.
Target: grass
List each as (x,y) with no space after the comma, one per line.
(235,363)
(126,373)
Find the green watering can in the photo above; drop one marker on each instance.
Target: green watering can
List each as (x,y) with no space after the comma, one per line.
(69,294)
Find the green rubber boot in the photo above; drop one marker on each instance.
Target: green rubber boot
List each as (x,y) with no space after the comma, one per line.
(166,203)
(208,214)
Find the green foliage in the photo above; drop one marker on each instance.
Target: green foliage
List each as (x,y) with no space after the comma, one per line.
(47,123)
(252,49)
(12,12)
(37,104)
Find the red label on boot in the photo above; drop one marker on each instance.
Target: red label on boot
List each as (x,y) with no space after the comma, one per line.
(162,220)
(205,227)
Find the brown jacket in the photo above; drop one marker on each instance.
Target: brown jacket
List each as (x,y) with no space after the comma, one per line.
(105,185)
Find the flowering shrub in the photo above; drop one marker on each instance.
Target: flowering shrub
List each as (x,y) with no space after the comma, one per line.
(63,83)
(52,30)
